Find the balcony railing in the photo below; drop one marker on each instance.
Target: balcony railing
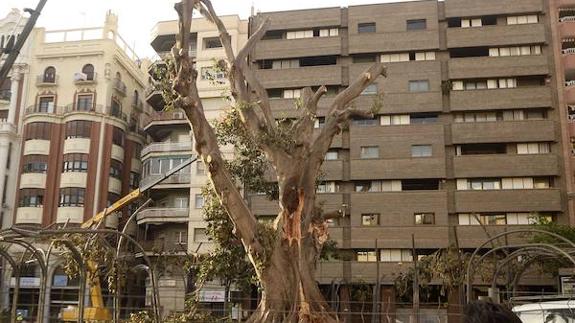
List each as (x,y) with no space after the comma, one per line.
(42,80)
(570,83)
(167,147)
(75,108)
(568,51)
(81,78)
(117,113)
(178,178)
(61,110)
(567,19)
(120,86)
(137,104)
(164,116)
(165,214)
(5,95)
(151,90)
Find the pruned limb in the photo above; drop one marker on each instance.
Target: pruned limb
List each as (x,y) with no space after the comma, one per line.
(333,215)
(305,124)
(361,83)
(353,112)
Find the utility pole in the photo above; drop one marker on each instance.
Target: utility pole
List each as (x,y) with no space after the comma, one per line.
(15,51)
(415,282)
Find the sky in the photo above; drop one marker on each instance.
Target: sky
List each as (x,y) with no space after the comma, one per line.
(138,17)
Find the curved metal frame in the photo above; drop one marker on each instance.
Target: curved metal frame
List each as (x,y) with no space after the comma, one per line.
(15,269)
(503,234)
(512,256)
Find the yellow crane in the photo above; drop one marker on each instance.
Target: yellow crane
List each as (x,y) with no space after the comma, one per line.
(97,312)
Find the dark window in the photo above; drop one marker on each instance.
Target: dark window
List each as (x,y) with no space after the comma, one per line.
(365,122)
(46,104)
(419,86)
(274,34)
(78,129)
(118,137)
(367,27)
(420,184)
(423,118)
(275,93)
(318,61)
(49,75)
(4,191)
(469,52)
(75,163)
(72,196)
(35,164)
(365,58)
(424,218)
(115,108)
(37,130)
(85,102)
(134,180)
(416,24)
(31,197)
(266,64)
(137,150)
(88,69)
(116,169)
(9,157)
(370,219)
(482,149)
(212,42)
(112,198)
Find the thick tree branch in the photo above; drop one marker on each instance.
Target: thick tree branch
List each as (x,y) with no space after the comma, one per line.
(354,90)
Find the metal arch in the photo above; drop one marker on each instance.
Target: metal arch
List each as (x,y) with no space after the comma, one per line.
(497,236)
(513,255)
(15,270)
(155,302)
(471,273)
(78,259)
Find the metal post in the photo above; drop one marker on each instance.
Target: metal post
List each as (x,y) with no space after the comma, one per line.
(415,280)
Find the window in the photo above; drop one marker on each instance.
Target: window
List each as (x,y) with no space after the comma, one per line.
(519,20)
(424,218)
(115,108)
(85,102)
(419,86)
(299,34)
(327,187)
(484,184)
(199,201)
(484,84)
(182,202)
(416,24)
(477,117)
(517,183)
(533,148)
(78,129)
(49,75)
(366,27)
(31,197)
(200,235)
(37,131)
(368,152)
(423,118)
(366,256)
(159,166)
(200,168)
(88,69)
(420,184)
(379,186)
(370,219)
(212,42)
(370,90)
(364,58)
(396,255)
(46,104)
(395,120)
(72,197)
(425,56)
(520,218)
(331,155)
(134,180)
(285,64)
(474,22)
(319,122)
(116,169)
(421,151)
(118,137)
(112,198)
(395,58)
(292,94)
(75,163)
(332,32)
(35,164)
(481,149)
(515,51)
(210,73)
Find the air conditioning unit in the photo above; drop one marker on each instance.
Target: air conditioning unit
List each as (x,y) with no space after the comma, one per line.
(178,115)
(80,77)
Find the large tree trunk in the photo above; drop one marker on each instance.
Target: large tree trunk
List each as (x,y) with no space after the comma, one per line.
(290,292)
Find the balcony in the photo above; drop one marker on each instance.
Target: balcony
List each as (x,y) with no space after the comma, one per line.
(137,104)
(116,113)
(33,180)
(175,147)
(498,35)
(567,27)
(119,86)
(85,79)
(393,41)
(484,67)
(544,200)
(301,76)
(163,215)
(154,98)
(290,48)
(569,59)
(42,81)
(517,98)
(399,168)
(503,131)
(505,165)
(472,8)
(178,180)
(162,245)
(5,95)
(29,215)
(429,236)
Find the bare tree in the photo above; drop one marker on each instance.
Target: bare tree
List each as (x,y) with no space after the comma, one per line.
(286,263)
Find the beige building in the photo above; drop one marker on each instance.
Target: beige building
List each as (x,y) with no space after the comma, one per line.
(174,225)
